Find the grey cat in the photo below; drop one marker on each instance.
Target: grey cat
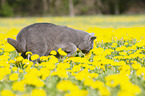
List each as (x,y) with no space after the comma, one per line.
(41,38)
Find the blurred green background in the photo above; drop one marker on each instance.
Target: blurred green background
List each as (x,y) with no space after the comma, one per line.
(21,8)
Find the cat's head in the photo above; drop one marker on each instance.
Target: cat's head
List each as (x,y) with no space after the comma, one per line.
(87,43)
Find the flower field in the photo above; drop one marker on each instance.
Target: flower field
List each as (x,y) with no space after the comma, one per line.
(114,67)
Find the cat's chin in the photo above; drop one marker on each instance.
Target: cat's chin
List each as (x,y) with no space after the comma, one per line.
(85,52)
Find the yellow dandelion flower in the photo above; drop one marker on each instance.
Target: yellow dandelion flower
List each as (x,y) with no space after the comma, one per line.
(94,75)
(76,68)
(19,58)
(48,65)
(38,92)
(8,48)
(28,53)
(45,72)
(25,61)
(6,54)
(136,66)
(53,52)
(34,57)
(88,82)
(7,93)
(120,48)
(125,93)
(62,73)
(18,86)
(1,50)
(63,65)
(61,52)
(15,68)
(114,44)
(77,92)
(13,77)
(130,88)
(88,54)
(4,64)
(5,58)
(43,58)
(140,71)
(64,85)
(11,61)
(4,71)
(126,43)
(28,64)
(20,71)
(104,91)
(97,84)
(53,59)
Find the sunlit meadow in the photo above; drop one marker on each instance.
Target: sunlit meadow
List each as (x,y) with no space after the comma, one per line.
(114,67)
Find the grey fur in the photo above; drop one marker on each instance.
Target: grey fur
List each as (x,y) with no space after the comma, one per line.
(41,38)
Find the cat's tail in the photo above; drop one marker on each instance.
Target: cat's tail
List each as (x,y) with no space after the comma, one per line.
(18,46)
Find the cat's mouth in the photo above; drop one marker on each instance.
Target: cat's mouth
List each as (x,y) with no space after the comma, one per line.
(85,51)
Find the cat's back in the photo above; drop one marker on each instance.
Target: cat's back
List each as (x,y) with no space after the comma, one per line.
(45,28)
(50,32)
(35,28)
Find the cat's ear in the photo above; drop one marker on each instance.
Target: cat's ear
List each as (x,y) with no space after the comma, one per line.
(92,38)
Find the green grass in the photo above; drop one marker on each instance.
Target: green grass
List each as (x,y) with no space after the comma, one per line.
(82,23)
